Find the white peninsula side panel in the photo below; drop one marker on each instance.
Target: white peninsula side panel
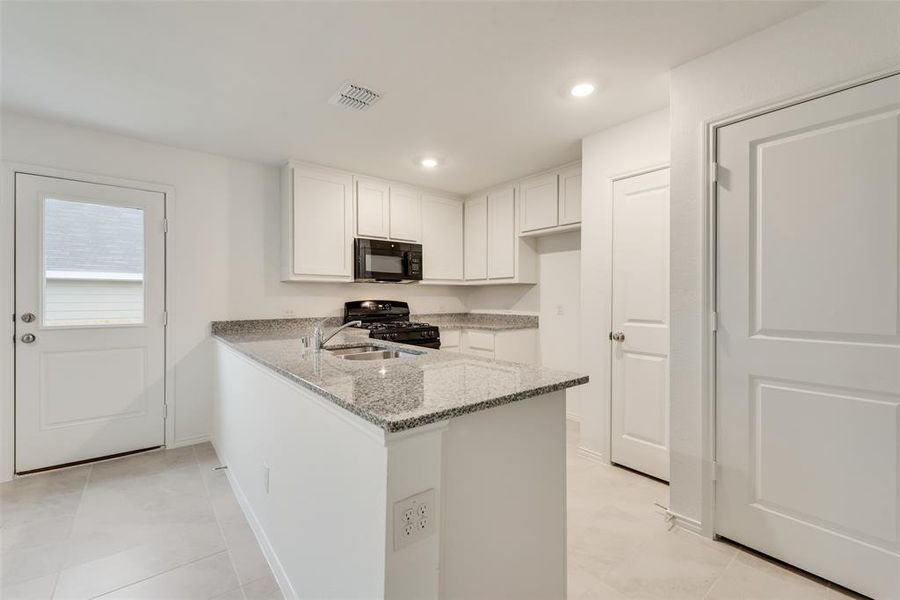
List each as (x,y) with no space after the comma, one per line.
(319,484)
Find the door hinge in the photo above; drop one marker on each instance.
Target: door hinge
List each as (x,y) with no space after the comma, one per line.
(714,172)
(165,411)
(165,318)
(714,321)
(165,226)
(715,471)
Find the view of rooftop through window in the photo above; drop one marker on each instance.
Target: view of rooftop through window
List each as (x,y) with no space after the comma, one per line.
(93,264)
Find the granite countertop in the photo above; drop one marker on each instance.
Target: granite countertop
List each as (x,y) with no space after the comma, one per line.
(488,321)
(395,394)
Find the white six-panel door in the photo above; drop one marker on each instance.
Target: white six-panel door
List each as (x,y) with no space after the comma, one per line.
(640,326)
(90,340)
(808,346)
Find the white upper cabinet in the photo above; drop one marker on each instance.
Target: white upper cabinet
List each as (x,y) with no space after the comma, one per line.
(570,195)
(476,237)
(442,238)
(317,231)
(372,208)
(539,202)
(502,241)
(405,216)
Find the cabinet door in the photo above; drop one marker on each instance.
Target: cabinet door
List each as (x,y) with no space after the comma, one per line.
(539,198)
(405,218)
(476,236)
(501,259)
(442,238)
(570,196)
(372,208)
(322,220)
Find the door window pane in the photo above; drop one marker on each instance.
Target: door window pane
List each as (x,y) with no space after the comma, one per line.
(93,264)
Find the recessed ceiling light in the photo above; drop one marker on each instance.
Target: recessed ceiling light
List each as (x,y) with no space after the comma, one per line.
(429,163)
(583,89)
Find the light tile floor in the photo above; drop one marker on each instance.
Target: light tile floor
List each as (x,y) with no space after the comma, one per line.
(621,547)
(165,526)
(161,525)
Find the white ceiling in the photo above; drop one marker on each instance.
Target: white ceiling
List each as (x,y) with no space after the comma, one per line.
(480,85)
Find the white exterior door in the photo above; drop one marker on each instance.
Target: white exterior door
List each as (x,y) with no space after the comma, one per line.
(640,327)
(90,339)
(808,345)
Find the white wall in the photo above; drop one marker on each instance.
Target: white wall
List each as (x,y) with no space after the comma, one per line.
(559,259)
(629,147)
(826,46)
(226,240)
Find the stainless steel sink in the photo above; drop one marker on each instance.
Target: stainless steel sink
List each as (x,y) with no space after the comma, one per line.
(368,352)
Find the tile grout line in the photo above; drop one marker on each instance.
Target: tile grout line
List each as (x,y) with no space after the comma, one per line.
(175,568)
(722,574)
(219,523)
(87,482)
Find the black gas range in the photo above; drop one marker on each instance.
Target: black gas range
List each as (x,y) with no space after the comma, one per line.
(389,320)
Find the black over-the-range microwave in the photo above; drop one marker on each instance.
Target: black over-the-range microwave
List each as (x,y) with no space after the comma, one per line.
(381,260)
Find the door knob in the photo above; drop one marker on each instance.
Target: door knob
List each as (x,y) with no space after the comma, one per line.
(28,338)
(618,336)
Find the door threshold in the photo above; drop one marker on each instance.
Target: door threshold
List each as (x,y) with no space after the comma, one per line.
(85,461)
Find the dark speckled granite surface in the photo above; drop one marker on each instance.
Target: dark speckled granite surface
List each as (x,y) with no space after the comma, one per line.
(394,394)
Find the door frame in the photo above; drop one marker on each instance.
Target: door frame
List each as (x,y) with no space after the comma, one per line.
(7,301)
(707,525)
(612,258)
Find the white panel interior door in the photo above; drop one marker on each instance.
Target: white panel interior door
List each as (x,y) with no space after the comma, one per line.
(808,347)
(640,359)
(90,340)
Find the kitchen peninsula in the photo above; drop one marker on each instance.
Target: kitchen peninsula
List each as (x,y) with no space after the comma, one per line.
(429,474)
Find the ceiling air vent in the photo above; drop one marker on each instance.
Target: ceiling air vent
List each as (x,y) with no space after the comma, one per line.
(356,97)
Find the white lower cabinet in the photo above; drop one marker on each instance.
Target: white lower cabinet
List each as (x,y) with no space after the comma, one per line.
(513,345)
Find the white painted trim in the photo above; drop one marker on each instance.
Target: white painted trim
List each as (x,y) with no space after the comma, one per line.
(686,523)
(593,455)
(7,301)
(265,545)
(191,441)
(636,172)
(706,526)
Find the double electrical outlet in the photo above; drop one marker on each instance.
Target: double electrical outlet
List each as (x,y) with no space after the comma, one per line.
(414,518)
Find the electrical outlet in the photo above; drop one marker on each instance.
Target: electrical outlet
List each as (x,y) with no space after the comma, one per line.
(413,518)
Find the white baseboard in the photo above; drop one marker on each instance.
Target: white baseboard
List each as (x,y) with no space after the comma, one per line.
(592,454)
(287,590)
(197,439)
(687,523)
